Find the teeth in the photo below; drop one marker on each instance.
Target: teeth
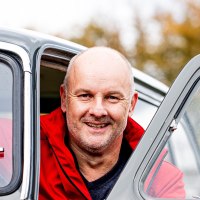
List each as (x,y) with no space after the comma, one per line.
(96,126)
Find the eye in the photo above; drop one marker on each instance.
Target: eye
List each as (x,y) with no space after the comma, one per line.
(84,96)
(113,98)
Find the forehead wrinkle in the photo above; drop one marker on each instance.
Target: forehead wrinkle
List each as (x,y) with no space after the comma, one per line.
(78,79)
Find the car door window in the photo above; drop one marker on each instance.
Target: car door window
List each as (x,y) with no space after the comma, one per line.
(53,67)
(10,122)
(189,158)
(49,93)
(184,150)
(6,82)
(144,112)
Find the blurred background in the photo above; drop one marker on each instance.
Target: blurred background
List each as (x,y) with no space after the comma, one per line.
(158,37)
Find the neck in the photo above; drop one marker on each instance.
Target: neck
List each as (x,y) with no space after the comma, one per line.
(95,165)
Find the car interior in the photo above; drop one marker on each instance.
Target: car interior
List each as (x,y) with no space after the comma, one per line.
(52,72)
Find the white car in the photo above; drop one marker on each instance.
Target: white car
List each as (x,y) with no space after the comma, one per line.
(30,61)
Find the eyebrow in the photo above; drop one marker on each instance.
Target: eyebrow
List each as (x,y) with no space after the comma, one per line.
(82,90)
(112,92)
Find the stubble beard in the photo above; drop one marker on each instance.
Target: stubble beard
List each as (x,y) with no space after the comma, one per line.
(90,146)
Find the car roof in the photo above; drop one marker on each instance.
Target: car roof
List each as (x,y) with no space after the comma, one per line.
(150,80)
(30,40)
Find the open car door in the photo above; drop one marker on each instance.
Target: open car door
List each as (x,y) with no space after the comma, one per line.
(144,176)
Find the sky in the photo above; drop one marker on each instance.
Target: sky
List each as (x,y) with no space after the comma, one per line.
(66,16)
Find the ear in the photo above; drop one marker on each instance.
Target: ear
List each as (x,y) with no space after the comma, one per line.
(63,98)
(133,103)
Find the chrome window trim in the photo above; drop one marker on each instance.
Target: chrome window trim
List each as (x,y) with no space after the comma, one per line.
(20,51)
(27,110)
(150,81)
(27,136)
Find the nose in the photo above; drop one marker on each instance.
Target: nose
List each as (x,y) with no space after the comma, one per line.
(97,108)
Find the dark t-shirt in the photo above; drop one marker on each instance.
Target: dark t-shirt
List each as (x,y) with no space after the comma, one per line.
(100,188)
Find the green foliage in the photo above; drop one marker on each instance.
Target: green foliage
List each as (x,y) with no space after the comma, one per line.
(179,42)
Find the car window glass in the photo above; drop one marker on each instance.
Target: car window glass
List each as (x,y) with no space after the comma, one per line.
(183,152)
(6,81)
(194,116)
(144,112)
(191,170)
(178,165)
(180,146)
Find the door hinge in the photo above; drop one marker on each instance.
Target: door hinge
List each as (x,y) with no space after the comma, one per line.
(173,126)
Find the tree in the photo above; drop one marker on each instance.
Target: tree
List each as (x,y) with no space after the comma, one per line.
(179,42)
(95,35)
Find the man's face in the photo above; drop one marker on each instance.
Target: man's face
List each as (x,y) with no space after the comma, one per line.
(97,104)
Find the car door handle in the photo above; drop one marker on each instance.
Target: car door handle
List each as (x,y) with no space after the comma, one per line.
(1,152)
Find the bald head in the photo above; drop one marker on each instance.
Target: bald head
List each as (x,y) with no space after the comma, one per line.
(101,60)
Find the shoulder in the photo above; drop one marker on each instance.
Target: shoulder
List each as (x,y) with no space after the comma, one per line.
(49,123)
(133,133)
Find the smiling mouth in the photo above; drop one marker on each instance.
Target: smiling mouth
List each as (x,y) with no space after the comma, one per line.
(97,125)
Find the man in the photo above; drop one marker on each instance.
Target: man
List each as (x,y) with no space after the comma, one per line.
(86,143)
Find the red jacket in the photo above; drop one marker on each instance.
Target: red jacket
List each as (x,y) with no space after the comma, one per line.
(59,177)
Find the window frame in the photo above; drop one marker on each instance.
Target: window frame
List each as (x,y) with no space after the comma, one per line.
(17,92)
(56,57)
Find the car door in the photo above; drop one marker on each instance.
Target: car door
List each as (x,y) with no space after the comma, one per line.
(180,106)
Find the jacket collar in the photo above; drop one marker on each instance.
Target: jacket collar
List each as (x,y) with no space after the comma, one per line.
(56,128)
